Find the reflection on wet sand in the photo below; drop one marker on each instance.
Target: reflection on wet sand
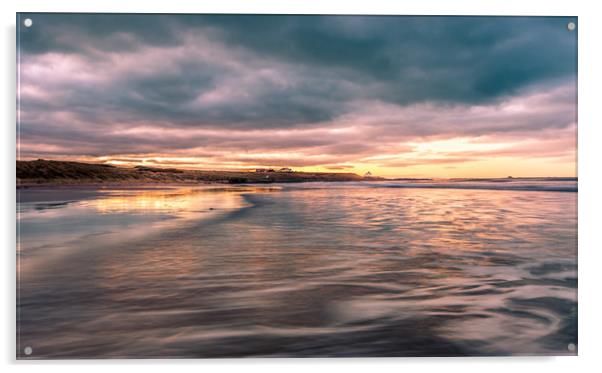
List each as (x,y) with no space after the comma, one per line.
(113,216)
(308,272)
(180,202)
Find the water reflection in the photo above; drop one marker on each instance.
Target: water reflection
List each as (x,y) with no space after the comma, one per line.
(181,202)
(356,271)
(60,225)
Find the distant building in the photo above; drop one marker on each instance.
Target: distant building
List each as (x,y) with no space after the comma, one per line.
(368,174)
(262,170)
(285,169)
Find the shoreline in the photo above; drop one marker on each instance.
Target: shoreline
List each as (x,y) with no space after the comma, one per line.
(108,185)
(138,184)
(62,173)
(40,174)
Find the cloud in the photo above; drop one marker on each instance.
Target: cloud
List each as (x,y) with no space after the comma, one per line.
(329,90)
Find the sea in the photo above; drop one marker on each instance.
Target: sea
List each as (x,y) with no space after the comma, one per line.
(471,267)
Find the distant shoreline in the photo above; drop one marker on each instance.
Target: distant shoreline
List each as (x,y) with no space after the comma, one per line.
(56,174)
(49,173)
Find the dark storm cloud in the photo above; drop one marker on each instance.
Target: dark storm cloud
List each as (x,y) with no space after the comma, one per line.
(455,59)
(462,58)
(398,59)
(83,33)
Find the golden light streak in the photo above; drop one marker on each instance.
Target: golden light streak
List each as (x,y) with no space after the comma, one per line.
(455,157)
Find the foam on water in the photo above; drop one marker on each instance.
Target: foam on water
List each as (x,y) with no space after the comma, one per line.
(524,184)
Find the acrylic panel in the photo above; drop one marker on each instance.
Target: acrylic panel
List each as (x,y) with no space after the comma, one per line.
(204,186)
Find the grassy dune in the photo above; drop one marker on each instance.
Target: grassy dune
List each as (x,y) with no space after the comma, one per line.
(45,172)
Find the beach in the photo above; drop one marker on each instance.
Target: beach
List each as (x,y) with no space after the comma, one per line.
(299,270)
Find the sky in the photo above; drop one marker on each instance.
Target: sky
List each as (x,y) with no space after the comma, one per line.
(396,96)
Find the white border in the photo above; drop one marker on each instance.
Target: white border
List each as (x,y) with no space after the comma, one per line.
(590,257)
